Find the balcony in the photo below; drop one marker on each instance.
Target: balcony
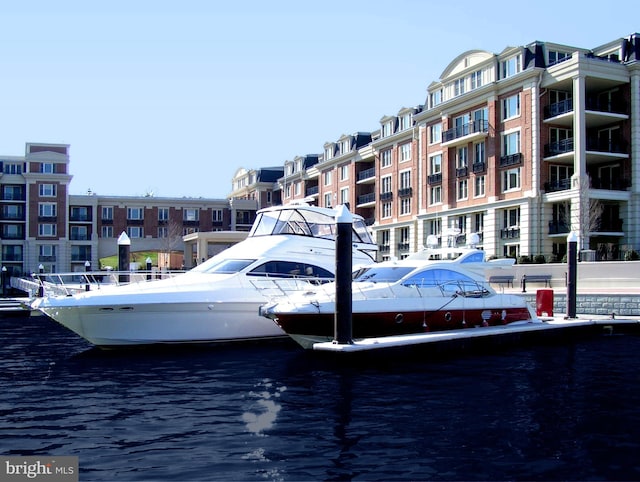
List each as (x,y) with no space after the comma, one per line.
(558,148)
(609,226)
(510,233)
(466,132)
(403,246)
(405,192)
(559,108)
(367,174)
(312,191)
(367,198)
(559,185)
(386,196)
(435,178)
(47,259)
(558,227)
(611,146)
(80,237)
(82,218)
(479,167)
(462,171)
(511,160)
(618,184)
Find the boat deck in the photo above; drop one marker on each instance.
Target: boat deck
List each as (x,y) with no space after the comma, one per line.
(547,326)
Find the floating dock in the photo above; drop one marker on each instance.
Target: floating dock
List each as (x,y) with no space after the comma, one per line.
(500,335)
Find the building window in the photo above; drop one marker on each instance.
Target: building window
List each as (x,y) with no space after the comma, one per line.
(386,210)
(217,215)
(511,144)
(344,173)
(511,66)
(328,153)
(135,232)
(47,190)
(405,122)
(458,87)
(191,214)
(479,186)
(344,195)
(511,218)
(47,210)
(462,157)
(328,178)
(47,168)
(107,213)
(436,194)
(405,152)
(12,168)
(387,129)
(297,188)
(163,214)
(463,189)
(135,214)
(476,79)
(385,183)
(435,164)
(47,230)
(435,133)
(435,98)
(47,251)
(287,191)
(106,232)
(405,180)
(327,200)
(405,206)
(554,57)
(79,233)
(479,153)
(511,179)
(385,158)
(511,107)
(478,222)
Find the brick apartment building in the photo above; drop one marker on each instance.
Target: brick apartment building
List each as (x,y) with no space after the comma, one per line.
(520,147)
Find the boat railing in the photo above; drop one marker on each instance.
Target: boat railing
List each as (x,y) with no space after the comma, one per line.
(281,287)
(67,284)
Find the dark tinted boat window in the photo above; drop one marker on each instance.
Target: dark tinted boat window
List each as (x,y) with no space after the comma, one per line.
(290,269)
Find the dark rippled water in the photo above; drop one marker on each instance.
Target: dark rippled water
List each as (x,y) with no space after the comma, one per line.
(262,413)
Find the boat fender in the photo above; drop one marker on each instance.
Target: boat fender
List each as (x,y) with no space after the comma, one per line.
(399,318)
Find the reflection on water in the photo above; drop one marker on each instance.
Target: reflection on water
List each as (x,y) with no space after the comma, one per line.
(274,412)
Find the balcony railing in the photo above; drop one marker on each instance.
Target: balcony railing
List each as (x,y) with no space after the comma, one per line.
(405,192)
(560,147)
(462,171)
(559,185)
(558,108)
(612,106)
(367,174)
(558,227)
(435,178)
(403,246)
(312,191)
(386,196)
(609,225)
(478,167)
(367,198)
(618,184)
(511,159)
(87,218)
(607,145)
(509,233)
(477,126)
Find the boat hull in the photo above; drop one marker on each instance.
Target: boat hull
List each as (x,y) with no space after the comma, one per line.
(310,328)
(164,323)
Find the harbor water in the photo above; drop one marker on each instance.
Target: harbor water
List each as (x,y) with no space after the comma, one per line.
(558,411)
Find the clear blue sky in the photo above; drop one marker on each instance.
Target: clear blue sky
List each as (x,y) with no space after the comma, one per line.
(173,97)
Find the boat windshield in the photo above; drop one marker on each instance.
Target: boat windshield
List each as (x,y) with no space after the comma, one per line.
(304,223)
(224,266)
(383,274)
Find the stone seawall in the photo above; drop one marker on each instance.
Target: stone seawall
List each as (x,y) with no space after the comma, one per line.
(594,304)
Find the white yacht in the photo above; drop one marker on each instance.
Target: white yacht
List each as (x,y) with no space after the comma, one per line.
(219,300)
